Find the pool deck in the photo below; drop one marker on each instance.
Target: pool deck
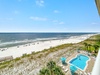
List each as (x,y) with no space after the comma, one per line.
(88,68)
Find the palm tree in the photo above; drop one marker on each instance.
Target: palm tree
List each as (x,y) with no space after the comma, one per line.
(58,71)
(89,47)
(52,69)
(44,71)
(98,5)
(50,66)
(98,42)
(86,46)
(96,47)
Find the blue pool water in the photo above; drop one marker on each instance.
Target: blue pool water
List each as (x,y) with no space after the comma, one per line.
(80,61)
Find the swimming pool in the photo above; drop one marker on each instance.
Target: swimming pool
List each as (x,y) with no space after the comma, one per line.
(80,61)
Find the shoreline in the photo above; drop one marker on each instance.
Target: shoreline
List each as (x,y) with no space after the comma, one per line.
(19,50)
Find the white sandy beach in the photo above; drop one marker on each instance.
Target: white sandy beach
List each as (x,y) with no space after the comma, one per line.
(39,46)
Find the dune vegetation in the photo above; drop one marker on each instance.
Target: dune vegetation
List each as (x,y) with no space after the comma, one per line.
(41,58)
(92,44)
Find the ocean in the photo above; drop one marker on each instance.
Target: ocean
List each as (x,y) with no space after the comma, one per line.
(14,39)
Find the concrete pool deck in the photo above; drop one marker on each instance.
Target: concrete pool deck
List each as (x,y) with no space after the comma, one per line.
(89,67)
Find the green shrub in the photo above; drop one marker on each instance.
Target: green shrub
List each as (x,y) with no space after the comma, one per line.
(51,69)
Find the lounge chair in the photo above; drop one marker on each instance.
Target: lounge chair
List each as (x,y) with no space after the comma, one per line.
(81,73)
(66,70)
(88,74)
(63,67)
(85,73)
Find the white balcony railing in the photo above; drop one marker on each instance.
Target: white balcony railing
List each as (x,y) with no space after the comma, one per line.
(96,68)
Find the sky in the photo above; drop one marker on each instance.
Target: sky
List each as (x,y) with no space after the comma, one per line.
(49,16)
